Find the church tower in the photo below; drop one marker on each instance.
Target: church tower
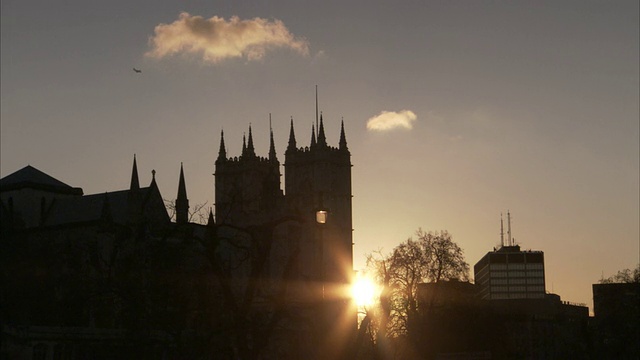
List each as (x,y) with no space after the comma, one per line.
(318,177)
(247,188)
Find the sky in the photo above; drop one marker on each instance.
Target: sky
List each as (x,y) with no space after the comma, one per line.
(454,111)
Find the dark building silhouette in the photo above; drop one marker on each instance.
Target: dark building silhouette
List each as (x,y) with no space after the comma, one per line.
(110,276)
(616,322)
(317,178)
(506,314)
(454,323)
(32,199)
(61,257)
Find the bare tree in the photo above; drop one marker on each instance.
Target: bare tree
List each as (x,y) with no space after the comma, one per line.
(197,214)
(431,257)
(623,276)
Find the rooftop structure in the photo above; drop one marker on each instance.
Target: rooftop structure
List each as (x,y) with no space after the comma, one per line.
(510,273)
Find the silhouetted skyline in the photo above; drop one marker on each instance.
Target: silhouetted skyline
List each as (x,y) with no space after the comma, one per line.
(455,112)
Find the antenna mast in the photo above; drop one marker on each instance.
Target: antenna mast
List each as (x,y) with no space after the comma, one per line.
(501,231)
(509,228)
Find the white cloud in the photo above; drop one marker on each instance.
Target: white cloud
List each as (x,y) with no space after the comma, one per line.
(216,39)
(389,120)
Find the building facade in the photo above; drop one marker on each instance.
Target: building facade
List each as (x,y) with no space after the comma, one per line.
(616,322)
(509,273)
(454,323)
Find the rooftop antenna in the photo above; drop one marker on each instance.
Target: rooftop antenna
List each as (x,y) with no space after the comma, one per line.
(509,228)
(317,127)
(501,231)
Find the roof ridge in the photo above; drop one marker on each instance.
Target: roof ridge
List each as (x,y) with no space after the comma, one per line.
(29,176)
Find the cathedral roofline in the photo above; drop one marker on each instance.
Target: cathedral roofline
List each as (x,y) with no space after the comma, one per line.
(31,178)
(318,144)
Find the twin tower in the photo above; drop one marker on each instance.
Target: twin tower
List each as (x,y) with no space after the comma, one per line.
(317,177)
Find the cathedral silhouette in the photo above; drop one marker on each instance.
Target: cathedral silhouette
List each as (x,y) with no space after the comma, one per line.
(317,177)
(272,269)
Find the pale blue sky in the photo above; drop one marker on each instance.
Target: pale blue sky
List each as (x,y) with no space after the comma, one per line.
(527,106)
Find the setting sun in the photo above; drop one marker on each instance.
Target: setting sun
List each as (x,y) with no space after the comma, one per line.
(363,292)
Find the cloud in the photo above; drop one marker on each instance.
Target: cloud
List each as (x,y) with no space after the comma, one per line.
(217,39)
(389,120)
(319,57)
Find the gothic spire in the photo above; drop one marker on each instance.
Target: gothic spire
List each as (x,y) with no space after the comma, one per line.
(182,203)
(272,146)
(343,139)
(322,139)
(250,150)
(135,183)
(134,206)
(244,145)
(292,138)
(222,153)
(313,136)
(211,221)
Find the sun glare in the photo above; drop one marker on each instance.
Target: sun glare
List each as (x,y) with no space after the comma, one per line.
(363,292)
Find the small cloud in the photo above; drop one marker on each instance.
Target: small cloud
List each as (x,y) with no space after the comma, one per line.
(216,39)
(389,120)
(318,57)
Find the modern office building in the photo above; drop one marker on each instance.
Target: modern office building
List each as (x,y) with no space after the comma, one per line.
(510,273)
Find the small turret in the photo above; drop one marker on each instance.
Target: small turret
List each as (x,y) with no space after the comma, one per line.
(134,200)
(244,146)
(222,153)
(272,145)
(343,139)
(313,137)
(153,179)
(135,183)
(322,139)
(211,221)
(292,139)
(251,152)
(182,203)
